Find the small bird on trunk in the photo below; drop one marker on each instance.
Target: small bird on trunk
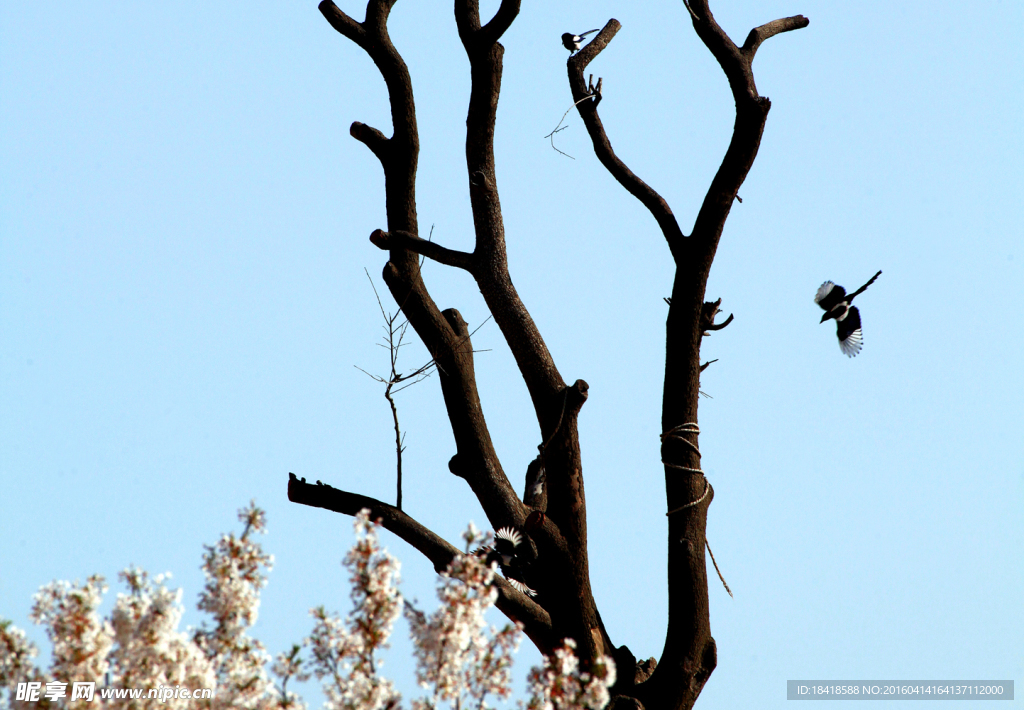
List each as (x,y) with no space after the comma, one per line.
(835,302)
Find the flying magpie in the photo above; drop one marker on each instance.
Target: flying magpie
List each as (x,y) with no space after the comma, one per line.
(506,554)
(572,42)
(836,303)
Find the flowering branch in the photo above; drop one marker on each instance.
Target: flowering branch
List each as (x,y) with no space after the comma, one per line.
(517,606)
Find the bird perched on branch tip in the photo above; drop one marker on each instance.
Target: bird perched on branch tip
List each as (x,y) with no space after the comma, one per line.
(835,302)
(573,42)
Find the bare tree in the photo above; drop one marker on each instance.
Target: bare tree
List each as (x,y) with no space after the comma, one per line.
(555,525)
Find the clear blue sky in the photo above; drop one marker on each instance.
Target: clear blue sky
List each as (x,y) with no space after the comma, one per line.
(183,233)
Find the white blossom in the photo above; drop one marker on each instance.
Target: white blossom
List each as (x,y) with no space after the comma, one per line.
(150,651)
(344,651)
(288,666)
(560,684)
(460,658)
(16,665)
(81,639)
(455,654)
(234,570)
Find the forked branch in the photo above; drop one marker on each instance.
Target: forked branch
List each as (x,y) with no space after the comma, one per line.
(445,342)
(751,114)
(690,654)
(647,195)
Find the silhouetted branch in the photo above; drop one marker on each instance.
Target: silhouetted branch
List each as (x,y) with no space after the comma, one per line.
(654,202)
(485,55)
(690,651)
(751,114)
(502,20)
(398,156)
(770,29)
(373,139)
(405,240)
(719,326)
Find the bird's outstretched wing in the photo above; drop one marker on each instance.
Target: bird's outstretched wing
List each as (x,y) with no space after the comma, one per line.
(510,535)
(829,295)
(521,586)
(851,338)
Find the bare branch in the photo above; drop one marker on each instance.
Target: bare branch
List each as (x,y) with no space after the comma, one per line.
(654,202)
(719,326)
(485,54)
(514,604)
(343,23)
(770,29)
(398,442)
(379,304)
(395,377)
(402,272)
(751,114)
(406,240)
(502,20)
(690,650)
(373,139)
(477,461)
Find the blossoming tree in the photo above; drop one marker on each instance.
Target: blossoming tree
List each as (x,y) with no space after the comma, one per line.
(139,648)
(551,516)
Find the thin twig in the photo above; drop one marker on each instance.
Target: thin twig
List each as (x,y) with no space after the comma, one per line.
(398,438)
(394,337)
(392,329)
(559,127)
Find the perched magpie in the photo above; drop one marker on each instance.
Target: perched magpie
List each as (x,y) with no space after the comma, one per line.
(572,42)
(836,304)
(506,554)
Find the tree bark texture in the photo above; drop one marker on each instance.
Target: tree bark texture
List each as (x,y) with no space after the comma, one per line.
(556,529)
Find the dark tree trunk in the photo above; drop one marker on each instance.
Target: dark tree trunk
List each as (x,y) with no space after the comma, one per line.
(556,527)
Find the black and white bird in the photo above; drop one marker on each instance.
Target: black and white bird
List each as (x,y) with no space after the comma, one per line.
(573,42)
(536,495)
(506,552)
(836,303)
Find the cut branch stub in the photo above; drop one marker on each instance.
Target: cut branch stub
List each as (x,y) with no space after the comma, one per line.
(709,312)
(373,139)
